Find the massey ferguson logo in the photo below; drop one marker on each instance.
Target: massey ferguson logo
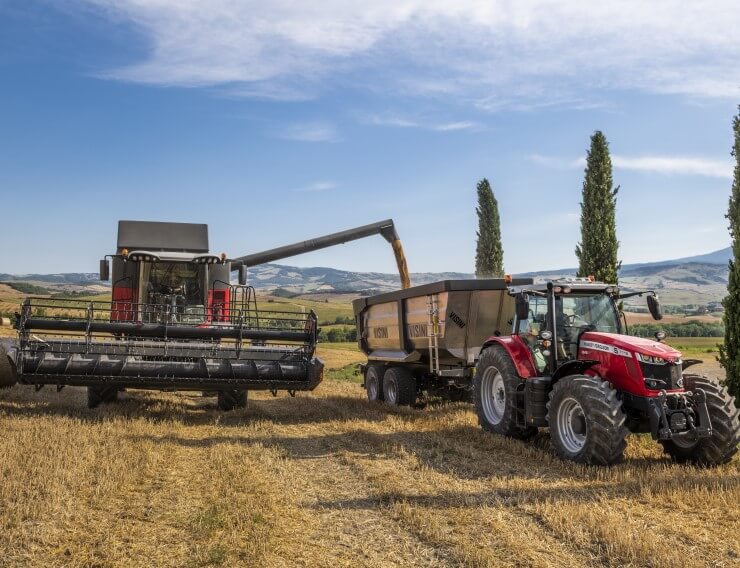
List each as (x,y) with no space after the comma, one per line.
(604,348)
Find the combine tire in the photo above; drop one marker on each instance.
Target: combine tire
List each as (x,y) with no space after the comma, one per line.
(232,399)
(724,416)
(494,394)
(101,395)
(374,382)
(587,424)
(8,374)
(399,387)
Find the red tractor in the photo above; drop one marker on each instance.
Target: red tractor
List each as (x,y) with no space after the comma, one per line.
(569,366)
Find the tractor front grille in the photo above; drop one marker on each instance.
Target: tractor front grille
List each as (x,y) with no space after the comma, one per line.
(658,377)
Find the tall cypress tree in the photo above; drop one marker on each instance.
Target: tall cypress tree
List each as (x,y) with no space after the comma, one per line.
(489,255)
(597,251)
(729,353)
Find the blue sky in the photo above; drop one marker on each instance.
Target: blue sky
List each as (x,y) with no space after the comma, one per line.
(274,123)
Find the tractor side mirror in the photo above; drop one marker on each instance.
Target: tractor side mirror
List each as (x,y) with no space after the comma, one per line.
(104,270)
(243,275)
(654,307)
(522,306)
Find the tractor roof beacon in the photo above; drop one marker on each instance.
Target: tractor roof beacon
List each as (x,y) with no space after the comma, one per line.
(175,322)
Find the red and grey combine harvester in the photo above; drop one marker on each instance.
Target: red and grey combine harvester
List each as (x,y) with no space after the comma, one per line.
(175,322)
(555,355)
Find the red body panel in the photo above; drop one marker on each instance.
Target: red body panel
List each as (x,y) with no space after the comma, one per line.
(616,356)
(123,307)
(218,305)
(518,351)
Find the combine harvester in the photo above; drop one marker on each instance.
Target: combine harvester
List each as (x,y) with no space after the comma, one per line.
(545,355)
(175,322)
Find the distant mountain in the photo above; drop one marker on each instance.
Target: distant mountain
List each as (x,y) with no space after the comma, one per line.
(691,280)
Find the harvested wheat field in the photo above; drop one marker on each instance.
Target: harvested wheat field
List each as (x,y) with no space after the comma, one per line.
(327,479)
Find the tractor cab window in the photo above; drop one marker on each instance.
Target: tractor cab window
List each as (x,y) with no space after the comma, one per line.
(578,314)
(529,330)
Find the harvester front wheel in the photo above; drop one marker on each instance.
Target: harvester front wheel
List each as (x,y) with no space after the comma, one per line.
(494,394)
(232,399)
(587,424)
(101,395)
(8,374)
(725,419)
(399,387)
(374,383)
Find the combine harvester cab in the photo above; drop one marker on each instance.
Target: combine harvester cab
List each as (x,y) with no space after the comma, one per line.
(554,355)
(175,322)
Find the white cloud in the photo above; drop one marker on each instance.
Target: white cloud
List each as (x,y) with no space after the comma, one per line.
(318,186)
(309,132)
(678,165)
(403,122)
(666,165)
(491,53)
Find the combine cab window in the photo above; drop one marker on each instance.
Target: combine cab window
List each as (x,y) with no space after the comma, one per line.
(174,287)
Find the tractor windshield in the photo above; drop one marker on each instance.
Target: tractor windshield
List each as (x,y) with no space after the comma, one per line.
(576,314)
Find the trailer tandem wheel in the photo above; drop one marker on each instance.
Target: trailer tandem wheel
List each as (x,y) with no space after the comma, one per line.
(399,387)
(374,382)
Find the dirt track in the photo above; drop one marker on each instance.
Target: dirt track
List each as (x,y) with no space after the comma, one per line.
(327,479)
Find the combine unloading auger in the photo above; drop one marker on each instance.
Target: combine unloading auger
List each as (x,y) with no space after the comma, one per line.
(174,322)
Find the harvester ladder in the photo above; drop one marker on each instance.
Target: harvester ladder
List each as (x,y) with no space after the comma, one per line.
(433,333)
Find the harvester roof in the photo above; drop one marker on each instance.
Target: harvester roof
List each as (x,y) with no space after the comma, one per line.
(157,236)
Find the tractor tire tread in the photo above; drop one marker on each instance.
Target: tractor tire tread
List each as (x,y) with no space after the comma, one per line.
(722,445)
(607,437)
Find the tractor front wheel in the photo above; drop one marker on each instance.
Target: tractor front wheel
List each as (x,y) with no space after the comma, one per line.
(494,392)
(586,421)
(722,444)
(8,374)
(232,399)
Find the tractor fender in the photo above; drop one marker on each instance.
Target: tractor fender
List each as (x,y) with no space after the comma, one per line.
(573,368)
(517,350)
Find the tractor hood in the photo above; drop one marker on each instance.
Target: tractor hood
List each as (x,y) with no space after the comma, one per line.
(626,345)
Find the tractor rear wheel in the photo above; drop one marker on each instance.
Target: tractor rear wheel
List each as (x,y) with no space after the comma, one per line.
(724,416)
(101,395)
(231,399)
(587,424)
(8,374)
(399,387)
(374,382)
(494,393)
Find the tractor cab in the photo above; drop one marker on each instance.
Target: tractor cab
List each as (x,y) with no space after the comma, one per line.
(551,318)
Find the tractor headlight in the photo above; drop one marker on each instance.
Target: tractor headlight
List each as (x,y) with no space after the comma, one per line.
(651,359)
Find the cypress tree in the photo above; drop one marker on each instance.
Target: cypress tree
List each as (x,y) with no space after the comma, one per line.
(597,251)
(729,353)
(489,254)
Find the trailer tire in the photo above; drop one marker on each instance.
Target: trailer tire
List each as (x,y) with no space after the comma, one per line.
(8,373)
(101,395)
(725,418)
(374,383)
(232,399)
(494,394)
(399,387)
(587,424)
